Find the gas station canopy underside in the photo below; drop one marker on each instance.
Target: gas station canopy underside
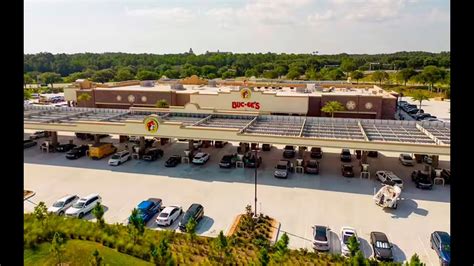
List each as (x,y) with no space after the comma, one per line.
(363,134)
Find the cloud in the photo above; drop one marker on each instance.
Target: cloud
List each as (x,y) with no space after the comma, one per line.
(172,15)
(318,18)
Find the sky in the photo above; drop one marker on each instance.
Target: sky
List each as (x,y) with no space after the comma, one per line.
(238,26)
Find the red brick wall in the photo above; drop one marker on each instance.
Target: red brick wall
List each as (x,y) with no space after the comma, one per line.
(314,106)
(109,97)
(389,108)
(89,103)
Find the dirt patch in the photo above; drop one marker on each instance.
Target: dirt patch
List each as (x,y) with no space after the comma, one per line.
(28,194)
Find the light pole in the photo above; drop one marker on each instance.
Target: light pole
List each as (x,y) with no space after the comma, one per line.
(255,177)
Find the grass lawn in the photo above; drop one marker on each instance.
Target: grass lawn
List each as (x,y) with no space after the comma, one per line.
(79,252)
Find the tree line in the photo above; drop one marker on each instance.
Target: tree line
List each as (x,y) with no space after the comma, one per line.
(50,68)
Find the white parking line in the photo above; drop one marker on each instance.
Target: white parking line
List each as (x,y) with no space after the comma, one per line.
(426,252)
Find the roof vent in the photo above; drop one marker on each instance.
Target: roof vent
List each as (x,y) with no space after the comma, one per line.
(147,83)
(177,86)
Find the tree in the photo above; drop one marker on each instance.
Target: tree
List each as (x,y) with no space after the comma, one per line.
(98,213)
(191,229)
(162,255)
(148,75)
(335,74)
(311,74)
(220,245)
(357,75)
(136,225)
(358,259)
(27,94)
(124,74)
(415,261)
(104,75)
(332,106)
(27,80)
(348,65)
(270,74)
(251,73)
(380,76)
(84,97)
(353,245)
(433,74)
(281,248)
(405,75)
(50,78)
(228,74)
(96,259)
(293,74)
(281,70)
(420,96)
(41,211)
(57,246)
(162,103)
(263,257)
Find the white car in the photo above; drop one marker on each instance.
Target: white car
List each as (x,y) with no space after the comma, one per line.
(201,158)
(62,204)
(346,233)
(387,177)
(321,238)
(119,158)
(168,215)
(83,206)
(406,159)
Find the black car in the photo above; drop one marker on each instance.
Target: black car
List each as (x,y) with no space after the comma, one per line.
(28,143)
(251,161)
(373,154)
(312,167)
(316,153)
(446,175)
(173,161)
(415,111)
(266,147)
(77,152)
(228,161)
(422,180)
(65,147)
(152,154)
(220,144)
(346,155)
(382,248)
(246,148)
(407,107)
(347,170)
(195,211)
(88,136)
(289,152)
(422,116)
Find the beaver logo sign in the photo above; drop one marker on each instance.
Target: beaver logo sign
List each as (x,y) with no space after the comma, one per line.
(151,124)
(245,93)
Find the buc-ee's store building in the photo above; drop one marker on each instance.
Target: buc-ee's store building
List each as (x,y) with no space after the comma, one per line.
(371,103)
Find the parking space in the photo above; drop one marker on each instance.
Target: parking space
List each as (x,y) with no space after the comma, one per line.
(298,202)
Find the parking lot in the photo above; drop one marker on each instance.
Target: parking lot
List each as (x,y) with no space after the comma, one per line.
(297,202)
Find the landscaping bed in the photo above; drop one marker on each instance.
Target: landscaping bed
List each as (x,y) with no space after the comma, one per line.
(28,194)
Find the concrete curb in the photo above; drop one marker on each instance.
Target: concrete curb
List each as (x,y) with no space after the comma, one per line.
(276,232)
(29,194)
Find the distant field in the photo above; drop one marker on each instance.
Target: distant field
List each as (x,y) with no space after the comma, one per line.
(79,252)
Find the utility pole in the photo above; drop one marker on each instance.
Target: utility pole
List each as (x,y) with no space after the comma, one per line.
(255,177)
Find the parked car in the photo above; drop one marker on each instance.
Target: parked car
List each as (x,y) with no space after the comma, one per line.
(168,215)
(316,153)
(61,205)
(312,167)
(148,208)
(406,159)
(228,161)
(39,134)
(386,177)
(289,152)
(382,248)
(422,116)
(441,243)
(347,170)
(373,154)
(83,206)
(201,158)
(77,152)
(28,143)
(173,161)
(346,155)
(119,158)
(152,154)
(321,238)
(402,103)
(422,179)
(266,147)
(346,233)
(446,175)
(415,111)
(197,144)
(282,169)
(65,147)
(428,159)
(251,161)
(195,211)
(220,144)
(101,150)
